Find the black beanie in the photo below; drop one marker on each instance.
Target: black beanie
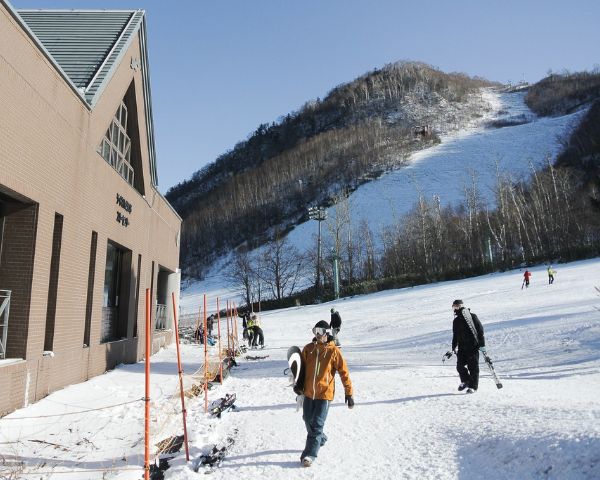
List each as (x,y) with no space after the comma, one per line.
(322,324)
(457,302)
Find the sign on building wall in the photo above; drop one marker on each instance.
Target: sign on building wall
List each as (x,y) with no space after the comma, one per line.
(125,205)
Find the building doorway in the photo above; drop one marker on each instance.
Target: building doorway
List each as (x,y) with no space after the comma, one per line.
(115,303)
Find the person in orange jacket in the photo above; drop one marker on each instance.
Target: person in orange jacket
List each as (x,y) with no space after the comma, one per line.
(321,359)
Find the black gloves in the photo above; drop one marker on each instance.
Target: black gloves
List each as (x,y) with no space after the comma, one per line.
(349,401)
(298,390)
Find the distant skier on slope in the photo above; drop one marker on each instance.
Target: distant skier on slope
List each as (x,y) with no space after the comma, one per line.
(467,340)
(526,277)
(321,360)
(551,273)
(336,325)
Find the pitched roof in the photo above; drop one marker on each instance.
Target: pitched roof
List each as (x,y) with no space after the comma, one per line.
(86,44)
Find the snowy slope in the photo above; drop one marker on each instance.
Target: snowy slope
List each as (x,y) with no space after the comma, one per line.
(409,420)
(446,169)
(443,171)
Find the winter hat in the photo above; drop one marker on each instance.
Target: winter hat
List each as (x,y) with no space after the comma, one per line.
(322,324)
(457,302)
(332,310)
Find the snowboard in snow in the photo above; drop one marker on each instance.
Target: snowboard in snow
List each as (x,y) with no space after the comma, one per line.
(213,459)
(221,405)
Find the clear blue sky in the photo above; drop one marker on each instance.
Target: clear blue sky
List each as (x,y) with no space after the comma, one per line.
(219,68)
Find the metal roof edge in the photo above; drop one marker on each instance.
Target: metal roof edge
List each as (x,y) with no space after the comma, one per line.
(168,203)
(78,10)
(148,103)
(116,62)
(46,53)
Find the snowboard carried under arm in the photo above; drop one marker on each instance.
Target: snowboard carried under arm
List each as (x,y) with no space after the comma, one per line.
(295,371)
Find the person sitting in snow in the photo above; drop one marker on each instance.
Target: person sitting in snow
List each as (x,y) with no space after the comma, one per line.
(467,341)
(321,359)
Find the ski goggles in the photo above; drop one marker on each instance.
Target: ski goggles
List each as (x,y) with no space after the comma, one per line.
(320,331)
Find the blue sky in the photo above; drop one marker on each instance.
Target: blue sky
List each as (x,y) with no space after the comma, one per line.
(220,68)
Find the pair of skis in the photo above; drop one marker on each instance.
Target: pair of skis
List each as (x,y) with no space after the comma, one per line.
(488,362)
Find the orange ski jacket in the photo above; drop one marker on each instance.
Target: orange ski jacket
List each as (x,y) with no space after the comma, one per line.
(321,361)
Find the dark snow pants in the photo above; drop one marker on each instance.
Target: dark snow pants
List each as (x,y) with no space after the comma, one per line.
(467,365)
(259,337)
(314,414)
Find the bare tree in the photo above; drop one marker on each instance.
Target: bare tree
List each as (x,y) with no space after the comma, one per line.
(242,273)
(281,267)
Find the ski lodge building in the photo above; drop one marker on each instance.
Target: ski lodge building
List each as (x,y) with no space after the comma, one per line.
(83,229)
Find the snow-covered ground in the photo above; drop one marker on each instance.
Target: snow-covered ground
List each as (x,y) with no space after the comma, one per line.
(409,420)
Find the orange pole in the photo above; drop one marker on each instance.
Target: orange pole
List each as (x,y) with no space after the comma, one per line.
(205,360)
(176,326)
(228,336)
(147,395)
(235,330)
(219,334)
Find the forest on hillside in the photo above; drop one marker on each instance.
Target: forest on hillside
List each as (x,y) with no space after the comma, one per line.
(359,130)
(553,217)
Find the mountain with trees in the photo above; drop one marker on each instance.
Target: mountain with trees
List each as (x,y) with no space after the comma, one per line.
(248,201)
(263,186)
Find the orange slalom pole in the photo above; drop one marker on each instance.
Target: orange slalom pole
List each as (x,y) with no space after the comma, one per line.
(228,336)
(219,334)
(147,394)
(235,328)
(205,361)
(176,326)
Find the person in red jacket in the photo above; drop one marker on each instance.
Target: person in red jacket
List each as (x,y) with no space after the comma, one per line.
(321,360)
(526,277)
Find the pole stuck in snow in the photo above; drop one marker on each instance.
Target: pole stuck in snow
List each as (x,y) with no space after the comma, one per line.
(180,369)
(147,391)
(205,361)
(219,345)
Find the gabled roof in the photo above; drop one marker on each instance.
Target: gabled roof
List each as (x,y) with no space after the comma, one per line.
(86,46)
(85,43)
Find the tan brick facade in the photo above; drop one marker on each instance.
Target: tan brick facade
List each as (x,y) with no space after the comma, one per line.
(49,165)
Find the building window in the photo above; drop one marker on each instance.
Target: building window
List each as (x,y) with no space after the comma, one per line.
(90,290)
(53,282)
(115,147)
(162,298)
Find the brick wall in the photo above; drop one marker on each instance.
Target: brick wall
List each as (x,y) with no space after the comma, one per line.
(48,142)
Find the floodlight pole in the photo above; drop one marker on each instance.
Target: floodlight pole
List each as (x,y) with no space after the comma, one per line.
(336,273)
(319,214)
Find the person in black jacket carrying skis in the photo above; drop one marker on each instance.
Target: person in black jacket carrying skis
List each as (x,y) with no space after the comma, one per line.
(335,324)
(467,341)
